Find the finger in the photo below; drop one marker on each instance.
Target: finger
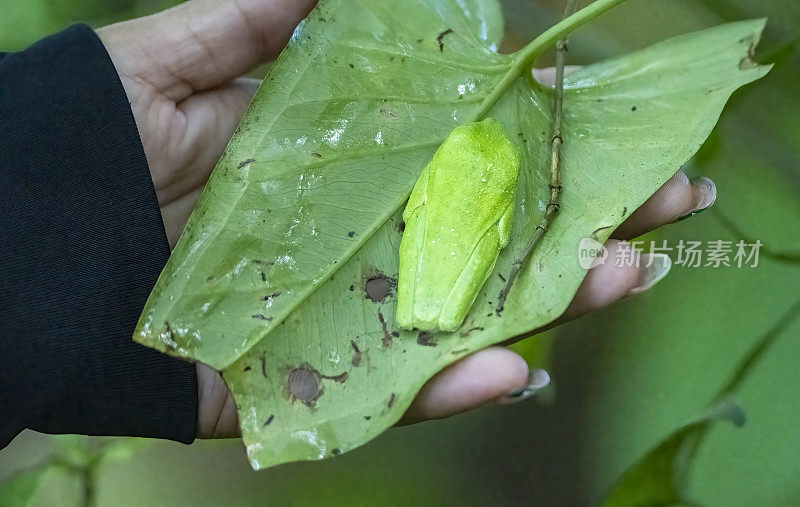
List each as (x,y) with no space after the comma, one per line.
(217,416)
(625,272)
(679,197)
(209,120)
(175,214)
(469,383)
(201,44)
(547,76)
(212,118)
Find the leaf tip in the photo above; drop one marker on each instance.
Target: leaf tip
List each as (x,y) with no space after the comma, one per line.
(730,410)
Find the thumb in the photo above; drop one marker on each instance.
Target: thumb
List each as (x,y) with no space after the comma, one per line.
(202,44)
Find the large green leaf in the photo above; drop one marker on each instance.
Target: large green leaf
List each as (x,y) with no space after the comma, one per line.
(302,215)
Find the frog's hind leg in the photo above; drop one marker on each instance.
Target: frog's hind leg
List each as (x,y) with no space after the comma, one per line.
(411,248)
(419,194)
(469,283)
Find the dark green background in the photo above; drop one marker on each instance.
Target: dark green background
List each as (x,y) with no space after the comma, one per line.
(624,378)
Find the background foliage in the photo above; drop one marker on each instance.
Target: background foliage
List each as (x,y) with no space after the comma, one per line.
(624,379)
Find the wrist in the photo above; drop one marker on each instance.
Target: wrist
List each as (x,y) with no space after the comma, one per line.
(217,416)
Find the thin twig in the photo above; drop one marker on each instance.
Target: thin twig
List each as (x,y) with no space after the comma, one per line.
(554,205)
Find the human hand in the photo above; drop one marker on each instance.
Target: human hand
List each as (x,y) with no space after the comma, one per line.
(181,70)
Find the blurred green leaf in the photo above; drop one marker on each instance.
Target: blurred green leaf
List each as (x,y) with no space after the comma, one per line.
(22,23)
(122,449)
(84,452)
(69,473)
(659,478)
(17,490)
(77,451)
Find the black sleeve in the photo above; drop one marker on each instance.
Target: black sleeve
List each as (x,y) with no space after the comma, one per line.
(81,246)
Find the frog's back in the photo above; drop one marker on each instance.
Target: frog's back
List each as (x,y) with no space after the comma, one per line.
(470,184)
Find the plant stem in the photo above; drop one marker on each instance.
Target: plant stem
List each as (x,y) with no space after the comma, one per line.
(788,257)
(758,350)
(88,478)
(525,57)
(554,204)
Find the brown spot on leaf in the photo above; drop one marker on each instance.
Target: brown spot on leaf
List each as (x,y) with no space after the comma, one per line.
(169,343)
(356,361)
(425,339)
(387,337)
(748,62)
(466,333)
(389,113)
(598,230)
(441,36)
(303,383)
(340,378)
(379,287)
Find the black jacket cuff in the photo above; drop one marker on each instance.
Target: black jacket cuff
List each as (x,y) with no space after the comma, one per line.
(81,245)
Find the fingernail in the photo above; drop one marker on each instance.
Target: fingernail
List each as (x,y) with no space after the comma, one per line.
(656,267)
(706,192)
(537,380)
